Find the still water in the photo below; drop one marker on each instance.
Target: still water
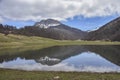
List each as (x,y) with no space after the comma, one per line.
(64,58)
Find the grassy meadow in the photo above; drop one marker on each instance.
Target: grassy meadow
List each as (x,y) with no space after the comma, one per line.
(6,74)
(20,43)
(19,40)
(17,43)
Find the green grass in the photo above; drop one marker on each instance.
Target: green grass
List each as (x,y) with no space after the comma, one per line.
(41,75)
(19,43)
(18,40)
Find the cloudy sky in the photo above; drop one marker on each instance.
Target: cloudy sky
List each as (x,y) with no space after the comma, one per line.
(82,14)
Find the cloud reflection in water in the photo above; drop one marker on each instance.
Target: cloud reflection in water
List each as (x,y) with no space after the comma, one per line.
(31,65)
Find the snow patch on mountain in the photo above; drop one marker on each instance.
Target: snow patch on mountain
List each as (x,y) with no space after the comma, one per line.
(47,23)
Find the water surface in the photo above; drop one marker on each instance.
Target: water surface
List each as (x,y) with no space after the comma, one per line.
(65,58)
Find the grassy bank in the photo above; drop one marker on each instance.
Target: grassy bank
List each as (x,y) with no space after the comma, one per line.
(18,43)
(19,40)
(35,75)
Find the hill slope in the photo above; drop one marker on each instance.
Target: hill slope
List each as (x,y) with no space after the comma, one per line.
(110,31)
(54,29)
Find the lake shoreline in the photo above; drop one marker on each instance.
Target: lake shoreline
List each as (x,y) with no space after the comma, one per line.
(13,41)
(49,75)
(7,69)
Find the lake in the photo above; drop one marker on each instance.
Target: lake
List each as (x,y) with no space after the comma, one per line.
(64,58)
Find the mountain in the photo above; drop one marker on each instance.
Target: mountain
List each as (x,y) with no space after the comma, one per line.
(56,30)
(47,23)
(110,32)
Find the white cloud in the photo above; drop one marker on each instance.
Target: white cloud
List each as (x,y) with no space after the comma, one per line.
(58,9)
(1,20)
(58,67)
(31,65)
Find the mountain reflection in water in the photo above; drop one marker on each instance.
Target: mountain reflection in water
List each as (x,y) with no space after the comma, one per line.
(65,58)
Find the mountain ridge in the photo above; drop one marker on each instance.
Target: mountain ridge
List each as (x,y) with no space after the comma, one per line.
(109,31)
(54,29)
(47,23)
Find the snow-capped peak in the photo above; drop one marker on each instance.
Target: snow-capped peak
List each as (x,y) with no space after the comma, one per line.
(47,23)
